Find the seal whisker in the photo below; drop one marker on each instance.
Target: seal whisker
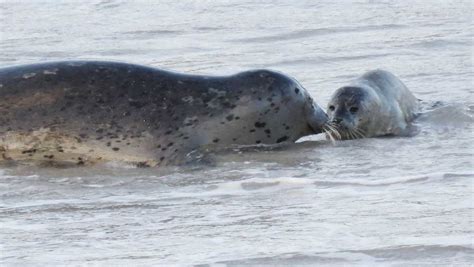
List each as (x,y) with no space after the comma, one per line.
(336,133)
(359,132)
(328,132)
(335,130)
(355,134)
(352,135)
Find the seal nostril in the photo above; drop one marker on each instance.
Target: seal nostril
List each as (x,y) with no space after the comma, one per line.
(337,120)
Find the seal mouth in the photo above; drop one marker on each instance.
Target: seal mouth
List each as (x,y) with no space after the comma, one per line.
(335,131)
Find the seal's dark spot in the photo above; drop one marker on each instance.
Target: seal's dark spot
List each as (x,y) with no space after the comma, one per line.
(282,139)
(115,149)
(268,131)
(80,163)
(28,151)
(252,130)
(168,132)
(48,156)
(142,164)
(258,142)
(230,117)
(107,144)
(170,144)
(287,127)
(260,124)
(237,118)
(162,158)
(216,140)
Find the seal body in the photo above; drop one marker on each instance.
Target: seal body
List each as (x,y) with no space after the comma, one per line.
(376,104)
(89,111)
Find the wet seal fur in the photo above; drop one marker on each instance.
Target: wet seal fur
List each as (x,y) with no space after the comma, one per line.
(85,112)
(376,104)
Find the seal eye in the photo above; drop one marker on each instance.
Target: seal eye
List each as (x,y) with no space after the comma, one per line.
(331,108)
(353,109)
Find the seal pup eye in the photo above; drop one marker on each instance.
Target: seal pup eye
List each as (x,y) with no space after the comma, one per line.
(331,108)
(353,109)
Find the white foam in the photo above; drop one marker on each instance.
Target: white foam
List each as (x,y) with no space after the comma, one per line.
(250,186)
(391,180)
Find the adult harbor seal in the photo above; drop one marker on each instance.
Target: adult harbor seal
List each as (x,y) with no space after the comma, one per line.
(376,104)
(91,111)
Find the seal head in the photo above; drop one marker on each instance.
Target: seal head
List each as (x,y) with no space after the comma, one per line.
(346,112)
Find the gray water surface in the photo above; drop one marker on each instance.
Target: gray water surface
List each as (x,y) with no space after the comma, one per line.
(391,201)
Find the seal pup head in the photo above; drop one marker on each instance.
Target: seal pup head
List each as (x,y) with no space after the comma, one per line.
(350,112)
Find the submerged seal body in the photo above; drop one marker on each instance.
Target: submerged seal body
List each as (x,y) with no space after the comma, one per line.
(90,111)
(375,104)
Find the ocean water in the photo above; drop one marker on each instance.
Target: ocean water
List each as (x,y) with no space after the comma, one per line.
(380,201)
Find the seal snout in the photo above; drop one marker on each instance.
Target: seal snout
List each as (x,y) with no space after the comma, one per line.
(337,120)
(316,118)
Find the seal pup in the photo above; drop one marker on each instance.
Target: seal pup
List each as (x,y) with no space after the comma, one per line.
(375,104)
(91,111)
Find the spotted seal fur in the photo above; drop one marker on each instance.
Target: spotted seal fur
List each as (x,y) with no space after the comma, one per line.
(91,111)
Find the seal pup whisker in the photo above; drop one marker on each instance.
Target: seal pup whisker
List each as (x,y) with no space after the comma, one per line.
(335,130)
(333,133)
(359,132)
(328,133)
